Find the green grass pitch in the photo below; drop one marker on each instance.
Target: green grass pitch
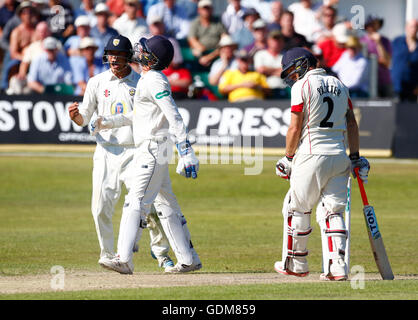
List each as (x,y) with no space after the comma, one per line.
(235,221)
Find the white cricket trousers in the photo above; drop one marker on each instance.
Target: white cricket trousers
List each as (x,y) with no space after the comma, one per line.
(112,166)
(151,181)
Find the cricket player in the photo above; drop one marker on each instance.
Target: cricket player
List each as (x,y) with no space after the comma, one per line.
(155,120)
(112,92)
(317,165)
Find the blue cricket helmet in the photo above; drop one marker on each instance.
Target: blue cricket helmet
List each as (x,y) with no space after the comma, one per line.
(156,52)
(299,58)
(118,43)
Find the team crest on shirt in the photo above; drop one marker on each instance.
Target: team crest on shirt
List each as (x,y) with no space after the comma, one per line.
(118,107)
(132,92)
(116,42)
(106,93)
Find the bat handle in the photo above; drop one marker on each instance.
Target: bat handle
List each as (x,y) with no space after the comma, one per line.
(361,187)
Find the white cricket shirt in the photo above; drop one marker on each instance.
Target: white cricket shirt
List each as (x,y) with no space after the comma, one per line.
(155,113)
(324,101)
(108,95)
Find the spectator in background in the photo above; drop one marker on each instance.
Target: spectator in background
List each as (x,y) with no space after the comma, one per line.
(305,18)
(333,48)
(117,8)
(380,46)
(85,66)
(243,84)
(405,66)
(7,11)
(205,33)
(276,13)
(180,79)
(226,60)
(156,28)
(233,17)
(269,63)
(328,18)
(146,4)
(49,68)
(72,45)
(102,32)
(263,7)
(176,21)
(244,36)
(86,9)
(291,37)
(352,69)
(129,24)
(18,82)
(260,37)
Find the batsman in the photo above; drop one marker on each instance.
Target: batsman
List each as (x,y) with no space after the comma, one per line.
(317,165)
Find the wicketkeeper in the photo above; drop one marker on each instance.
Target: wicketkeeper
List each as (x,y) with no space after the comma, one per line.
(317,165)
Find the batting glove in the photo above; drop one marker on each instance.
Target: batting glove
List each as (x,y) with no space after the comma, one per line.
(188,164)
(362,164)
(284,167)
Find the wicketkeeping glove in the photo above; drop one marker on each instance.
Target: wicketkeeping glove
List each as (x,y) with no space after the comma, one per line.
(284,167)
(362,164)
(188,164)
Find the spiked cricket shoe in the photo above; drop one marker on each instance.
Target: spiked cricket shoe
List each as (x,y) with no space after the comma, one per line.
(116,265)
(183,268)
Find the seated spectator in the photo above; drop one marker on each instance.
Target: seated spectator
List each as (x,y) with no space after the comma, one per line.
(244,36)
(260,37)
(7,11)
(405,70)
(102,32)
(352,69)
(291,37)
(305,18)
(381,47)
(49,68)
(328,17)
(233,17)
(205,33)
(156,28)
(23,34)
(276,13)
(116,8)
(333,48)
(72,44)
(20,38)
(85,66)
(263,7)
(199,91)
(180,79)
(146,4)
(269,63)
(176,21)
(226,60)
(86,9)
(18,83)
(243,84)
(53,12)
(129,24)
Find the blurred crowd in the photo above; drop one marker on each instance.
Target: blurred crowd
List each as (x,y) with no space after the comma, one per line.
(55,46)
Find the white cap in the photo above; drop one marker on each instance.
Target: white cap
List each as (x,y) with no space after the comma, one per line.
(341,32)
(226,40)
(87,42)
(205,3)
(82,21)
(50,43)
(259,24)
(101,7)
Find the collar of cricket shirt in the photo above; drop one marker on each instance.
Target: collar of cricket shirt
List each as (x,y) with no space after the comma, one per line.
(112,76)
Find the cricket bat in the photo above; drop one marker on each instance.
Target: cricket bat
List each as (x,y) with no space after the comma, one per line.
(375,237)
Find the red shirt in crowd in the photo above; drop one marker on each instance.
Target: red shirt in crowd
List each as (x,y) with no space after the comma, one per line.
(330,51)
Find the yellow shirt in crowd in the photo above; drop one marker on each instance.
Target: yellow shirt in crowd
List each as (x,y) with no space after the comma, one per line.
(234,77)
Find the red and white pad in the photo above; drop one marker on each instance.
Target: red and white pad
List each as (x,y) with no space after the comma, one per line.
(333,235)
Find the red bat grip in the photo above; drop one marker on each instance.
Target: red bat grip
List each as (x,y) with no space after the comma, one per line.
(361,187)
